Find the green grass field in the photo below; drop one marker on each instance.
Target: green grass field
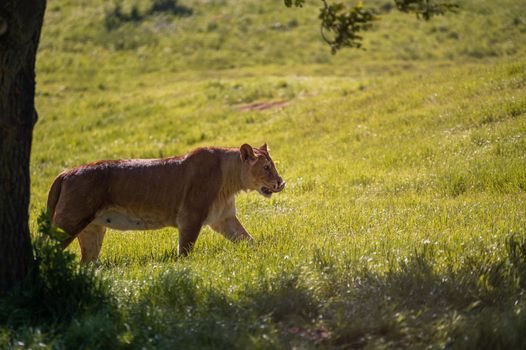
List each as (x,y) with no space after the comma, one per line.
(403,224)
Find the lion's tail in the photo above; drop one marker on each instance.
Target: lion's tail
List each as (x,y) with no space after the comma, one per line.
(54,194)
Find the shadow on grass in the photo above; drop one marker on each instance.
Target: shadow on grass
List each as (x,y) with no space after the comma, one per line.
(476,306)
(411,305)
(183,312)
(326,302)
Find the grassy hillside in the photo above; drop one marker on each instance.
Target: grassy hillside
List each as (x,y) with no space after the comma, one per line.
(403,222)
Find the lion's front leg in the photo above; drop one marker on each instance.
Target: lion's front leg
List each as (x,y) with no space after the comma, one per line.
(232,229)
(188,232)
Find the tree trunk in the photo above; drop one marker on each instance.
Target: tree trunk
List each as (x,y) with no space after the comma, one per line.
(20,24)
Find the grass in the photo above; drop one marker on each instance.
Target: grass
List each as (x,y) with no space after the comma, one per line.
(403,222)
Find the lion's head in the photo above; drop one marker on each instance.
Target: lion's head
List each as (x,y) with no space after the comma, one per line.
(259,172)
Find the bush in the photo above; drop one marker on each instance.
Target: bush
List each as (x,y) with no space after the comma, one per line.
(170,7)
(115,17)
(59,294)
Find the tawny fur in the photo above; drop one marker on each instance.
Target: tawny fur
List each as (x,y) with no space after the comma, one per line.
(139,194)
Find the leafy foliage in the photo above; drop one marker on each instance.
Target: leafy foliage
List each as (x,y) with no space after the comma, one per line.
(344,24)
(47,230)
(58,293)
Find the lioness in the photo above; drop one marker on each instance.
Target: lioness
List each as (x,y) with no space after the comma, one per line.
(141,194)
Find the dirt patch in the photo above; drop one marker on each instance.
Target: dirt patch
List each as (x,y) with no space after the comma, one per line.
(260,106)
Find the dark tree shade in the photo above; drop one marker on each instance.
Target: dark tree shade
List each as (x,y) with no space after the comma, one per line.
(20,25)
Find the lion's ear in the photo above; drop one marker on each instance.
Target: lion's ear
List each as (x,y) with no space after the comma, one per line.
(247,152)
(264,148)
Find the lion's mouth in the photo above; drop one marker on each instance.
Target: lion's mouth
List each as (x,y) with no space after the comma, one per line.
(267,192)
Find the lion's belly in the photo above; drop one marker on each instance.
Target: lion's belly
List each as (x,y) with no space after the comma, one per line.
(122,220)
(219,211)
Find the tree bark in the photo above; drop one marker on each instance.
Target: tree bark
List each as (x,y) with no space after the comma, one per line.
(20,25)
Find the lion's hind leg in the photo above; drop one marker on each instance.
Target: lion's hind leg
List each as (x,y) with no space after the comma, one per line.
(90,240)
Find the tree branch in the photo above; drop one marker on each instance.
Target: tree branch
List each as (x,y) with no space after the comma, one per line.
(340,24)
